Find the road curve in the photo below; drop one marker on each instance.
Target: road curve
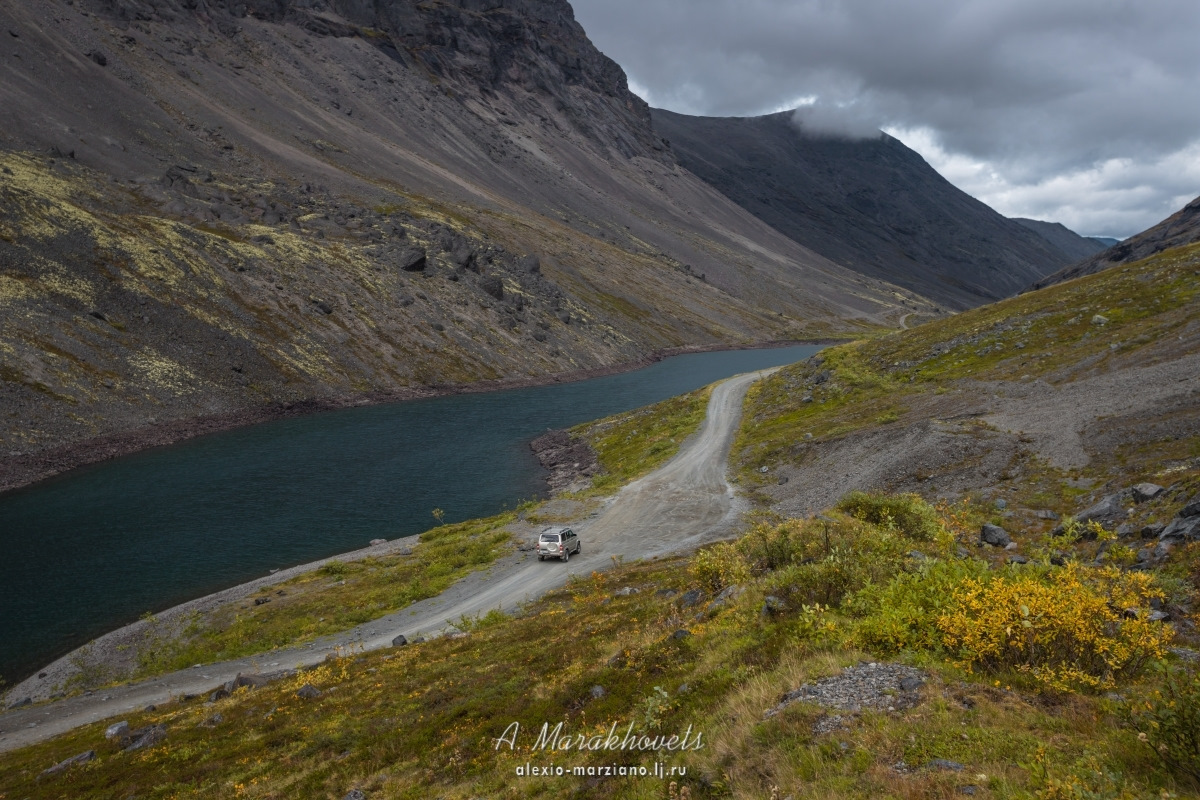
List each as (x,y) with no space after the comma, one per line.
(675,508)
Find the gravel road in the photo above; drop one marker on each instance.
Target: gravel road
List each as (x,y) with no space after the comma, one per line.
(683,504)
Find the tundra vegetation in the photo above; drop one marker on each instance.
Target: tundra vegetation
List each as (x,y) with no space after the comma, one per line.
(1059,677)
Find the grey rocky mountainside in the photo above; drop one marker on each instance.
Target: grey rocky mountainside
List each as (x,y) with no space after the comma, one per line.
(221,210)
(1179,229)
(1070,243)
(872,205)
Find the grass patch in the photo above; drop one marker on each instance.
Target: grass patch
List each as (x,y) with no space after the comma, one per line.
(638,442)
(336,597)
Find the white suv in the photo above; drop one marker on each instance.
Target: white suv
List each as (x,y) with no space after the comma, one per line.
(557,543)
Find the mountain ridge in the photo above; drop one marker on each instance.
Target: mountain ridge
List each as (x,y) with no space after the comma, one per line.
(873,205)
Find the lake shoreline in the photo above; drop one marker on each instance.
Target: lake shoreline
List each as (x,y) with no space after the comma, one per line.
(23,471)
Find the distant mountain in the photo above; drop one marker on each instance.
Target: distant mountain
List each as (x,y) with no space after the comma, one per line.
(210,207)
(874,206)
(1060,236)
(1181,228)
(1105,241)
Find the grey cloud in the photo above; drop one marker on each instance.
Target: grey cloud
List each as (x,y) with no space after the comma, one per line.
(1034,88)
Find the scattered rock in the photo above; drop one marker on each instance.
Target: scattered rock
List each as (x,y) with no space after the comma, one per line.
(400,641)
(258,601)
(219,694)
(994,535)
(1159,616)
(1046,514)
(355,794)
(625,591)
(772,605)
(599,692)
(98,57)
(682,633)
(377,542)
(213,721)
(146,737)
(1099,319)
(1192,509)
(82,758)
(25,701)
(1109,509)
(1018,559)
(1181,529)
(118,730)
(308,692)
(1001,504)
(492,285)
(1146,491)
(945,764)
(412,259)
(691,598)
(727,594)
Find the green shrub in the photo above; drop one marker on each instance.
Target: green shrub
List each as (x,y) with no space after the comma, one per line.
(906,513)
(824,560)
(1168,720)
(903,613)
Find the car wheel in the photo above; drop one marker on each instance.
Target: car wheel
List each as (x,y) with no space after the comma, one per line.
(541,558)
(579,548)
(566,555)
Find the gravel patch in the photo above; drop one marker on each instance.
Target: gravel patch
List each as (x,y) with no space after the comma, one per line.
(884,687)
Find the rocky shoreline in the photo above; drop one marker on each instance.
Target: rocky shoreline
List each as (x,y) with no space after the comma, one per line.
(19,471)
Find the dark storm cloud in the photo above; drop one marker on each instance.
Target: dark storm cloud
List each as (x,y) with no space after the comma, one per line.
(1085,108)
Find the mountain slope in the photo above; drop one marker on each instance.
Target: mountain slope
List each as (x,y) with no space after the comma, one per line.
(1067,241)
(874,206)
(215,209)
(1181,228)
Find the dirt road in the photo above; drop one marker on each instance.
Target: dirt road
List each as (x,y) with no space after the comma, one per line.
(681,505)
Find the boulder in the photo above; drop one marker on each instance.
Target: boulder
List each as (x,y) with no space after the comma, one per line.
(24,701)
(1109,509)
(1192,509)
(994,535)
(1146,491)
(219,694)
(530,264)
(1018,559)
(1181,529)
(118,730)
(400,641)
(691,598)
(146,737)
(492,285)
(772,605)
(599,692)
(82,758)
(463,258)
(308,692)
(681,634)
(377,542)
(412,259)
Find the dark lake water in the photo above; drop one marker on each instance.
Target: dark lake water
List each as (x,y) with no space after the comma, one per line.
(94,549)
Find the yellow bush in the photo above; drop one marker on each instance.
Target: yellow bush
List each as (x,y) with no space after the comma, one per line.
(1068,628)
(719,566)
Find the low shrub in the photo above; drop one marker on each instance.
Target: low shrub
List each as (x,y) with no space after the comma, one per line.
(824,560)
(903,613)
(906,513)
(1069,628)
(1168,720)
(719,566)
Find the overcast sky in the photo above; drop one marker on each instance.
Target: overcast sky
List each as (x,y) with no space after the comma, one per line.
(1085,112)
